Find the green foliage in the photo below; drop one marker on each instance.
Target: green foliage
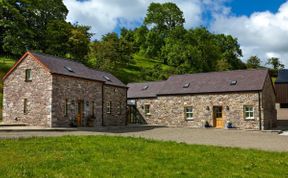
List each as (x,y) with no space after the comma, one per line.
(164,16)
(106,156)
(24,23)
(275,63)
(253,62)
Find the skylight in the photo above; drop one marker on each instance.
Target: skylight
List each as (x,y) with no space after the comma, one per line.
(68,68)
(107,78)
(145,87)
(186,85)
(233,82)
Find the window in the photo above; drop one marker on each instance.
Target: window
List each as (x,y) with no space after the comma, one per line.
(28,75)
(66,108)
(92,109)
(119,108)
(283,105)
(248,112)
(189,113)
(25,109)
(109,107)
(147,109)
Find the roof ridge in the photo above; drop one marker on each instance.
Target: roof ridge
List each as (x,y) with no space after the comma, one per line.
(211,72)
(146,82)
(58,57)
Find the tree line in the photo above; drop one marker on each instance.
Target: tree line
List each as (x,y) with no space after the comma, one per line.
(40,25)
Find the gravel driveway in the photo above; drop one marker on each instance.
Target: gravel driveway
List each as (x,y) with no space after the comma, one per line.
(220,137)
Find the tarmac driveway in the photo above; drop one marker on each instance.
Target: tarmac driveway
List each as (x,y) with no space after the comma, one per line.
(220,137)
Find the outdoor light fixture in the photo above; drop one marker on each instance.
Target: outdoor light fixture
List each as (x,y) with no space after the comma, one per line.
(207,108)
(227,108)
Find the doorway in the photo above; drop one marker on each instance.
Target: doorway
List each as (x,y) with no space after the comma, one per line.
(80,110)
(218,121)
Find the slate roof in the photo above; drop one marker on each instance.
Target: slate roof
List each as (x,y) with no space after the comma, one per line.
(57,65)
(282,76)
(137,90)
(213,82)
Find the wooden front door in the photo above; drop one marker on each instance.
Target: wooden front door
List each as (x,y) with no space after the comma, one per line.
(217,117)
(80,112)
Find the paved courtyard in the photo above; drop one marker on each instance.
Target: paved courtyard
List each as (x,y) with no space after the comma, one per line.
(220,137)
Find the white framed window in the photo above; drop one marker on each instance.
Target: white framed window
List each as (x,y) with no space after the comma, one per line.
(109,107)
(249,112)
(188,112)
(147,109)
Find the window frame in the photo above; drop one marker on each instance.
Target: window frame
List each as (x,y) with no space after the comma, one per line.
(249,112)
(108,111)
(147,111)
(66,108)
(25,106)
(190,112)
(93,109)
(28,75)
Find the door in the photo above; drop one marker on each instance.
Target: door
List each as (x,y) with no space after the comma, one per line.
(80,112)
(217,117)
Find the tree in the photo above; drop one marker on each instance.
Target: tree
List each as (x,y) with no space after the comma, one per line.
(23,23)
(164,16)
(275,63)
(253,62)
(78,42)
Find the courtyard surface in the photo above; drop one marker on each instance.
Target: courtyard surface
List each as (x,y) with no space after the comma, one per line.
(219,137)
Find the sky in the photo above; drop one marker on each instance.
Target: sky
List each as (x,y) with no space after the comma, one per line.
(261,26)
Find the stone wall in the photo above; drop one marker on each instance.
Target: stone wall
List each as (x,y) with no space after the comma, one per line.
(38,93)
(118,98)
(169,110)
(268,105)
(76,90)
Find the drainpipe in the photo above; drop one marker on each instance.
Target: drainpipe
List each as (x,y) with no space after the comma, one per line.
(260,113)
(102,105)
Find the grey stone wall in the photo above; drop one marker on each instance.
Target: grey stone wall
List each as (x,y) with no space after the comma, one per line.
(118,98)
(38,93)
(74,90)
(268,105)
(169,110)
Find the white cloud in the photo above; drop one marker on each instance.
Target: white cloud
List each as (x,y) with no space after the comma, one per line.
(104,15)
(262,33)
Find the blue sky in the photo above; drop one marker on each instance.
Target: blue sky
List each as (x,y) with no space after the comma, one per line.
(261,26)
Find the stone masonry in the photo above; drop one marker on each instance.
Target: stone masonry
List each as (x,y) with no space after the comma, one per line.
(38,93)
(117,97)
(54,100)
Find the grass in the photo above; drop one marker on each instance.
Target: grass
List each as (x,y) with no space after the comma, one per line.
(104,156)
(134,72)
(5,64)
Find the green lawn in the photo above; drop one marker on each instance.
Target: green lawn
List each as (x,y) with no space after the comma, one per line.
(104,156)
(5,64)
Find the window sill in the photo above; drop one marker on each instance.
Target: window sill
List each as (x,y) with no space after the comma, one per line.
(28,80)
(249,119)
(189,119)
(148,114)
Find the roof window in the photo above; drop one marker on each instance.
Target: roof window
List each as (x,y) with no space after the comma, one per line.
(186,85)
(145,87)
(107,78)
(68,68)
(233,82)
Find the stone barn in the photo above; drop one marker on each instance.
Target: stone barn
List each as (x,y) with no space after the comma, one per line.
(48,91)
(243,99)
